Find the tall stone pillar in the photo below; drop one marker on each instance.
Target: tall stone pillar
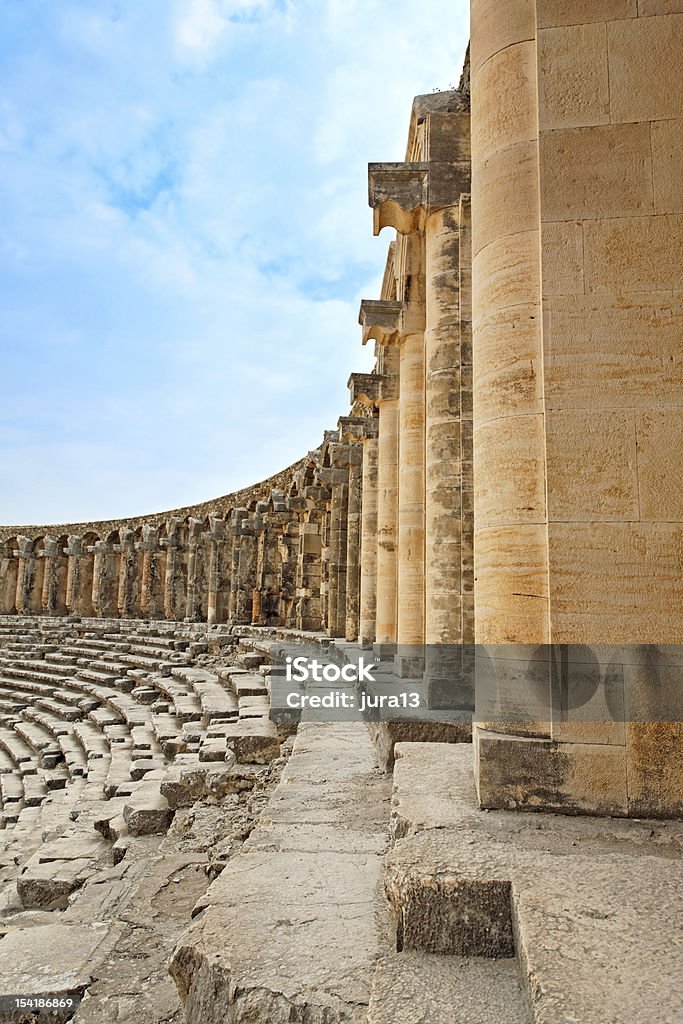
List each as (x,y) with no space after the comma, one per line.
(234,564)
(217,596)
(308,608)
(78,578)
(381,320)
(153,573)
(351,430)
(243,567)
(194,540)
(25,574)
(8,577)
(128,599)
(288,547)
(174,587)
(414,197)
(54,578)
(105,579)
(336,478)
(368,558)
(411,582)
(578,404)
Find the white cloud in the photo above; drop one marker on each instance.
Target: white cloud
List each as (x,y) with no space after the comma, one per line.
(199,27)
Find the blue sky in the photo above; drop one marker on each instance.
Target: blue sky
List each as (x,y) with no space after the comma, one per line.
(185,237)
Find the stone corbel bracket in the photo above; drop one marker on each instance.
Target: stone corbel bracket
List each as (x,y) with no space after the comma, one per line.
(380,319)
(398,194)
(365,388)
(372,388)
(351,428)
(402,196)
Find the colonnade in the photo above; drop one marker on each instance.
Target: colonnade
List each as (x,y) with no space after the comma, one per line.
(420,394)
(557,238)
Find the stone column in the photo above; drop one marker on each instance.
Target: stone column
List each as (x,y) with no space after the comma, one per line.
(288,546)
(262,559)
(78,580)
(8,577)
(217,537)
(153,573)
(243,567)
(129,584)
(410,625)
(308,609)
(105,579)
(53,597)
(351,430)
(381,321)
(193,542)
(336,477)
(368,557)
(174,590)
(25,574)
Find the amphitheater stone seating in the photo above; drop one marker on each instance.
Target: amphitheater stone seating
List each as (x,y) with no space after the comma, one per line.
(96,720)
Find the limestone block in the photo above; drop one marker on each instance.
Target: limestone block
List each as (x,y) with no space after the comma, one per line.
(513,689)
(601,582)
(655,769)
(591,466)
(48,886)
(422,798)
(183,791)
(660,473)
(573,80)
(645,57)
(68,949)
(508,371)
(495,28)
(634,253)
(502,114)
(667,160)
(253,740)
(600,354)
(602,171)
(654,712)
(647,8)
(502,179)
(146,812)
(562,258)
(521,773)
(461,913)
(512,584)
(579,12)
(398,195)
(305,949)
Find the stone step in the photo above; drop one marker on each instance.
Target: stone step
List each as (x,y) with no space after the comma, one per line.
(566,894)
(249,685)
(419,987)
(52,960)
(310,876)
(253,740)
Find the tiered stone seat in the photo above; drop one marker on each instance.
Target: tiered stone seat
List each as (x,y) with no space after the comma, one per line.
(95,719)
